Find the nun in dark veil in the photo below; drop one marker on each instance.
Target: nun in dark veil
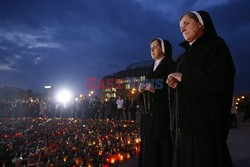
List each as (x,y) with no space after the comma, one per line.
(204,82)
(156,144)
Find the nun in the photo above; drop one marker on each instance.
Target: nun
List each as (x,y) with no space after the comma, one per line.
(156,145)
(204,83)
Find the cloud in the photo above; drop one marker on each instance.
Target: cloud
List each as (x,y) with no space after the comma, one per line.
(6,67)
(37,60)
(25,39)
(44,45)
(17,56)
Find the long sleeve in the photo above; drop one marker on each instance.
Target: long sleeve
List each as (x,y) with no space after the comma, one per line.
(216,74)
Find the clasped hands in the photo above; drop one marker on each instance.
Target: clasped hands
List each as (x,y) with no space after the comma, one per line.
(174,79)
(146,86)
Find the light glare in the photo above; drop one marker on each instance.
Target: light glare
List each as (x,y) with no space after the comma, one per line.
(64,96)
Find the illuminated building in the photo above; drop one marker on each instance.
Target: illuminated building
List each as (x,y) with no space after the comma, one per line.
(126,82)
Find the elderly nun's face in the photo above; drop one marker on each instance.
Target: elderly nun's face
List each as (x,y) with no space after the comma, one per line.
(190,28)
(156,51)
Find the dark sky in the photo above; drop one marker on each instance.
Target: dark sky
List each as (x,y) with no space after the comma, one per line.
(61,42)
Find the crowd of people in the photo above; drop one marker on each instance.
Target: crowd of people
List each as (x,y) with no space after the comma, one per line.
(93,108)
(86,132)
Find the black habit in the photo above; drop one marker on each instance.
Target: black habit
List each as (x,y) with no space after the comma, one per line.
(156,144)
(204,99)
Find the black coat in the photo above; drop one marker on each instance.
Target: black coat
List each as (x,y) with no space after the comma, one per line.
(205,92)
(155,123)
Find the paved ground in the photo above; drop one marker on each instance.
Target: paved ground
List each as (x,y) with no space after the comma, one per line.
(238,143)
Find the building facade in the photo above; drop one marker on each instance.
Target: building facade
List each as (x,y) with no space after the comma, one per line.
(125,83)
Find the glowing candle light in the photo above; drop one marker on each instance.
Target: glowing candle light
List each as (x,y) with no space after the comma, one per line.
(100,153)
(128,155)
(137,140)
(65,158)
(112,161)
(137,150)
(121,157)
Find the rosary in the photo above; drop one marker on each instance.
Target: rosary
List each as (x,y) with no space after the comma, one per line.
(146,102)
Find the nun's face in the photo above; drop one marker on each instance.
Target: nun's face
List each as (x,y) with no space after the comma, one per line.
(156,51)
(190,28)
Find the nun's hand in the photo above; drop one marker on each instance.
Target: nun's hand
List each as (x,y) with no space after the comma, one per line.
(172,82)
(150,88)
(141,87)
(176,75)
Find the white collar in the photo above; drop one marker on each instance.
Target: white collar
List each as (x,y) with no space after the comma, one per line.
(157,62)
(191,43)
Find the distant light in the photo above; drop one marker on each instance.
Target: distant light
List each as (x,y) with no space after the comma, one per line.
(47,87)
(92,92)
(238,99)
(64,96)
(89,94)
(242,97)
(81,95)
(76,99)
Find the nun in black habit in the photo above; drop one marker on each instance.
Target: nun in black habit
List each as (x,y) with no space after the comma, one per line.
(204,84)
(156,144)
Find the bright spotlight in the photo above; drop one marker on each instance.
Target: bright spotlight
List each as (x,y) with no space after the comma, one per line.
(64,96)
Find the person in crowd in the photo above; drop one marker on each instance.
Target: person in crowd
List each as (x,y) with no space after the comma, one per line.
(204,83)
(133,108)
(85,107)
(246,110)
(108,109)
(233,114)
(120,105)
(156,144)
(126,108)
(113,108)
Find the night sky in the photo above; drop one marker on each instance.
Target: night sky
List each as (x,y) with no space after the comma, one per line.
(62,42)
